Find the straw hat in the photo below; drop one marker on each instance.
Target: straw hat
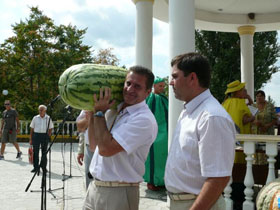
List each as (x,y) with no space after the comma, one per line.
(234,86)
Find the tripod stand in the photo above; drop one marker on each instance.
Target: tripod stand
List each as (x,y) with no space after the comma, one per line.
(65,177)
(50,190)
(43,183)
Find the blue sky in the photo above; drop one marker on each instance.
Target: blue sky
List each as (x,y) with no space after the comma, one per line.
(109,23)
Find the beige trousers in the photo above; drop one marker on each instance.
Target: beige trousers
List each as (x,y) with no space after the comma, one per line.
(185,205)
(111,198)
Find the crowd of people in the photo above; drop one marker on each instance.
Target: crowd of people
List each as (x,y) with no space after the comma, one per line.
(121,148)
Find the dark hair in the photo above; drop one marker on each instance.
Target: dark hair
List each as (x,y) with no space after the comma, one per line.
(260,92)
(145,72)
(194,62)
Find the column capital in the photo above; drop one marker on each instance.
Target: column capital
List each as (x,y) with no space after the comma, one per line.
(246,30)
(136,1)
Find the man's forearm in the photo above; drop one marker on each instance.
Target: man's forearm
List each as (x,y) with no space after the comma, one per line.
(18,124)
(2,124)
(31,134)
(50,132)
(210,192)
(102,136)
(82,125)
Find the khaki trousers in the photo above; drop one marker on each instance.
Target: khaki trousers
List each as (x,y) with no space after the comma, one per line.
(185,205)
(111,198)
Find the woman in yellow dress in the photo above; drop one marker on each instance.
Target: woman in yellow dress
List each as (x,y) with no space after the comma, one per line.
(237,108)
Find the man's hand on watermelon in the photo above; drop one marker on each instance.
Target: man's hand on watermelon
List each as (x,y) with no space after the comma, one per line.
(103,103)
(99,135)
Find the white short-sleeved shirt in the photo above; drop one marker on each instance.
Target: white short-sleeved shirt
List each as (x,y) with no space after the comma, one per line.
(80,117)
(203,145)
(135,129)
(40,124)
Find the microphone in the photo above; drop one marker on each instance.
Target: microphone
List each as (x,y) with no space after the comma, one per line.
(68,108)
(54,100)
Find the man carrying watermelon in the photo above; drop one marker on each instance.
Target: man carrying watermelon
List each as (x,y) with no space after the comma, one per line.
(121,147)
(201,155)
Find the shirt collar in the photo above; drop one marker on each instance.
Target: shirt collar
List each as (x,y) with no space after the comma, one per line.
(132,108)
(195,102)
(43,117)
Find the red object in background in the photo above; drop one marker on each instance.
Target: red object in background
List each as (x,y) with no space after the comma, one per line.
(30,154)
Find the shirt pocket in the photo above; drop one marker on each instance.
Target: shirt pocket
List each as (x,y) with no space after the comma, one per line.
(187,154)
(189,147)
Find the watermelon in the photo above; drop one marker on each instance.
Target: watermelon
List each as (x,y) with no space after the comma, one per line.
(267,198)
(78,83)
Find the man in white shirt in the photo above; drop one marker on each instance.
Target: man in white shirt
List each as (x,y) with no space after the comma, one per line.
(201,155)
(121,147)
(41,129)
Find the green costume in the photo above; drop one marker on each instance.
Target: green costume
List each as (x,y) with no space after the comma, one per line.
(155,163)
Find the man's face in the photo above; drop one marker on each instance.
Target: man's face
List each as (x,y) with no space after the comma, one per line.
(159,87)
(7,105)
(42,112)
(181,84)
(135,90)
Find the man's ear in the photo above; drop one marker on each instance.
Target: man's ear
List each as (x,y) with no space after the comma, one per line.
(149,91)
(193,76)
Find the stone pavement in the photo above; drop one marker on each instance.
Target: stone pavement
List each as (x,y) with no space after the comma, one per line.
(61,195)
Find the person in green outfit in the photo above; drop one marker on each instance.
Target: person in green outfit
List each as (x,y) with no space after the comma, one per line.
(155,163)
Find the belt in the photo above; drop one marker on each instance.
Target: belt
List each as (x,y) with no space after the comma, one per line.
(181,196)
(114,184)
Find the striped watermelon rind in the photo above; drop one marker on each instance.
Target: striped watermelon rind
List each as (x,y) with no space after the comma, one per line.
(78,83)
(265,196)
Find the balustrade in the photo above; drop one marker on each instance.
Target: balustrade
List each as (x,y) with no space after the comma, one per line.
(69,127)
(249,146)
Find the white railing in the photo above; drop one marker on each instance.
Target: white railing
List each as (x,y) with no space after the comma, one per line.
(249,147)
(69,127)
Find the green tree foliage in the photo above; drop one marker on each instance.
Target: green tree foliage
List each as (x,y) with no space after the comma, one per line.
(271,101)
(223,52)
(32,60)
(166,88)
(106,57)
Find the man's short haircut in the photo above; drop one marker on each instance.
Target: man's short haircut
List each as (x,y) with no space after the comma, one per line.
(194,62)
(42,106)
(145,72)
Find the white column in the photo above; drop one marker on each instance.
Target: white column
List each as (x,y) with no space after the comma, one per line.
(144,32)
(182,40)
(246,34)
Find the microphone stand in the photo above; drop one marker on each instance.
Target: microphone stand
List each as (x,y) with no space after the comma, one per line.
(50,190)
(65,177)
